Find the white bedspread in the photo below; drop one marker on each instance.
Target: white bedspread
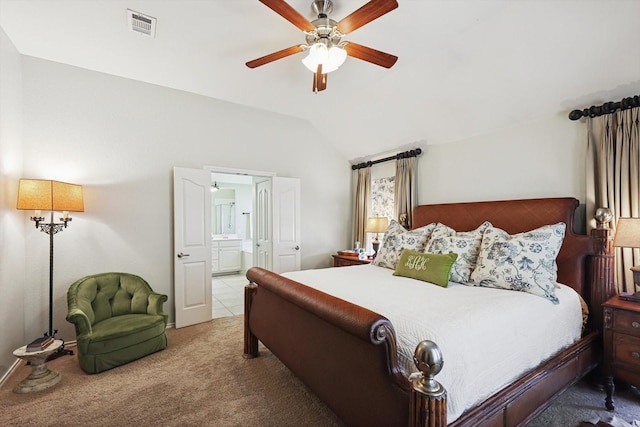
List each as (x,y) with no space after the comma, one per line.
(488,337)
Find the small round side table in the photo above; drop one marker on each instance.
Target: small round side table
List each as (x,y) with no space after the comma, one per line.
(40,377)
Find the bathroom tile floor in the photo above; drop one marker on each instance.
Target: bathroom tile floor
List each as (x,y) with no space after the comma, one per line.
(228,295)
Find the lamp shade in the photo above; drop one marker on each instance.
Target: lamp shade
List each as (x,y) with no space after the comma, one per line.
(40,194)
(377,224)
(627,233)
(331,58)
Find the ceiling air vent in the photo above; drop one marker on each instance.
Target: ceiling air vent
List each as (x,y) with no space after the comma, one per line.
(141,23)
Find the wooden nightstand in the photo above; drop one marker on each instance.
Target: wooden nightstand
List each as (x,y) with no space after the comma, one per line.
(343,261)
(621,344)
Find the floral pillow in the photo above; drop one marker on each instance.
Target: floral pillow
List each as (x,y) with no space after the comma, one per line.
(523,262)
(397,238)
(466,244)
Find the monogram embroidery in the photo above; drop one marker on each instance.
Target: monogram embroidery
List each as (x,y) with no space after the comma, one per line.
(417,262)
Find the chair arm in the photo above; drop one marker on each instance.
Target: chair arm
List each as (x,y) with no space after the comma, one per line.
(156,302)
(81,321)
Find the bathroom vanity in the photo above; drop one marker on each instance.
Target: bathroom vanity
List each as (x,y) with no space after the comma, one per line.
(226,255)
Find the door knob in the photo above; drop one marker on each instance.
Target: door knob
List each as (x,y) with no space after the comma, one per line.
(297,248)
(180,255)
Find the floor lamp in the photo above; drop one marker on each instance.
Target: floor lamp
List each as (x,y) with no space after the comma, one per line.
(45,195)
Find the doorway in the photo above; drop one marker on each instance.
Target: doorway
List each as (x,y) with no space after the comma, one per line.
(233,218)
(270,222)
(234,215)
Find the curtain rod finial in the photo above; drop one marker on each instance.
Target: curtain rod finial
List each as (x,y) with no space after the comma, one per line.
(575,114)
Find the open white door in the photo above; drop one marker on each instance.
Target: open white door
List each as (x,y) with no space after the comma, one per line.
(285,195)
(192,245)
(262,250)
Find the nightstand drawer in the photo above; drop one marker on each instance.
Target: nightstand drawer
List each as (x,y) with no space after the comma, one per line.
(626,349)
(627,322)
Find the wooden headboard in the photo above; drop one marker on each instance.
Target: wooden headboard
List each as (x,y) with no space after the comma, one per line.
(516,216)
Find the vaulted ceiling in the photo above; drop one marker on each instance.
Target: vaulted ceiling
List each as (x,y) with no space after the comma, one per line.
(465,67)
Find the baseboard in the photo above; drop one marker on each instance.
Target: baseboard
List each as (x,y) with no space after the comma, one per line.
(9,372)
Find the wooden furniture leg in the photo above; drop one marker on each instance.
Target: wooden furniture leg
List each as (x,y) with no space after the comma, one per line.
(609,388)
(250,340)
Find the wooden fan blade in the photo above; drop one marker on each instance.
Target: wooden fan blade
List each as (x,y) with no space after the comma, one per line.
(283,9)
(274,56)
(319,80)
(368,54)
(367,13)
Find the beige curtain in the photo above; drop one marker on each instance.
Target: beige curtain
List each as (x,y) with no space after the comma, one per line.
(361,207)
(613,178)
(404,191)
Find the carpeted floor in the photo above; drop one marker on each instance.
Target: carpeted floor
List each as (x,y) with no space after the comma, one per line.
(201,379)
(585,402)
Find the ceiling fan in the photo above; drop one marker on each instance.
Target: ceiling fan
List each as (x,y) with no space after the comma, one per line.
(323,37)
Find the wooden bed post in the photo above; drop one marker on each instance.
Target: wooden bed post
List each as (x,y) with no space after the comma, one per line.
(602,267)
(427,398)
(250,340)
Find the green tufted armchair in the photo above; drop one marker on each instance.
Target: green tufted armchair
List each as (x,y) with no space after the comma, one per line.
(118,319)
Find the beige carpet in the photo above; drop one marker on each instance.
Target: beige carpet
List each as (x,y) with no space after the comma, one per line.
(201,379)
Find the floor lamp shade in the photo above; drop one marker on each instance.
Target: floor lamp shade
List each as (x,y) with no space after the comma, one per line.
(40,194)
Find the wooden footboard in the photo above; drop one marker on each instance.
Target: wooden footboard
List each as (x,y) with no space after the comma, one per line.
(345,353)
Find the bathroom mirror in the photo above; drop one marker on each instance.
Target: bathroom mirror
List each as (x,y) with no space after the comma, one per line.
(223,212)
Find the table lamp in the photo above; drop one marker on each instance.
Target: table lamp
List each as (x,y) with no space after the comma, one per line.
(628,236)
(376,224)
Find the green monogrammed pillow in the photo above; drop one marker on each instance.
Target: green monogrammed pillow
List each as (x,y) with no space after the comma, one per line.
(434,268)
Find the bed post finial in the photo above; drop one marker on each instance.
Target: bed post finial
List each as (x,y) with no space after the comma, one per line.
(602,266)
(428,398)
(603,217)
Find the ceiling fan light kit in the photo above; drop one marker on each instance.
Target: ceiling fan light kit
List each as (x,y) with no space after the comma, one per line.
(331,58)
(323,36)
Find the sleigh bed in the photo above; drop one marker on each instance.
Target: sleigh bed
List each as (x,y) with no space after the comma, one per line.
(348,355)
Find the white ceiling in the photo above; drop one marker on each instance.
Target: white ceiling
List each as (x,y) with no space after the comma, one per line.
(465,68)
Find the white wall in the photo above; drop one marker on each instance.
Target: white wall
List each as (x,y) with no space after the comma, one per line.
(120,139)
(543,158)
(12,230)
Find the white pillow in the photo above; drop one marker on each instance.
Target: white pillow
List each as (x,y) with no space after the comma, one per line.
(523,262)
(397,238)
(445,240)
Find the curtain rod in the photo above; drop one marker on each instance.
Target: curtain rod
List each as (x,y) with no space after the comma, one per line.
(606,108)
(403,155)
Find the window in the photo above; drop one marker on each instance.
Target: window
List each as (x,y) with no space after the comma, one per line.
(383,177)
(382,203)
